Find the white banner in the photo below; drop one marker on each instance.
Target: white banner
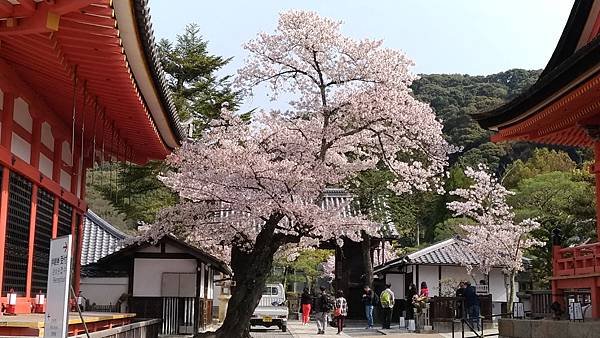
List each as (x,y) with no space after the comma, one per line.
(59,282)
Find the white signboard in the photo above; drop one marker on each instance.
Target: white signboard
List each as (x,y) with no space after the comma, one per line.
(518,310)
(59,281)
(575,311)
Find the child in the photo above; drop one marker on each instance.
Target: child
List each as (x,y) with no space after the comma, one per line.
(340,310)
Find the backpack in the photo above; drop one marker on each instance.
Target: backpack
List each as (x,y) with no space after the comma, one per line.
(327,303)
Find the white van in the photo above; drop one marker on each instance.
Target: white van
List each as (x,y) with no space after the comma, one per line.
(272,309)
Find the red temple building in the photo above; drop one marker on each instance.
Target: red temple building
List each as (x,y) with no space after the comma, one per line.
(563,108)
(80,84)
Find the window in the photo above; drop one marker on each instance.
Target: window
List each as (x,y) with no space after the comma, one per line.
(64,219)
(270,291)
(16,251)
(43,235)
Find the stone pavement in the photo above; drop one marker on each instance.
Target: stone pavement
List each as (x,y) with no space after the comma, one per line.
(310,330)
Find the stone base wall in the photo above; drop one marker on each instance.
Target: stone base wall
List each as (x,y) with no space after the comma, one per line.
(527,328)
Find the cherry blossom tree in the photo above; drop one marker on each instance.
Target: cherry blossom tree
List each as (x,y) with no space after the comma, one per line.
(328,268)
(494,236)
(252,187)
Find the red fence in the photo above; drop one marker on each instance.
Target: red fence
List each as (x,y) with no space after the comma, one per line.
(579,260)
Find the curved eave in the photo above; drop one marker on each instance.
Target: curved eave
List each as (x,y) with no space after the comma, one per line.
(133,20)
(575,70)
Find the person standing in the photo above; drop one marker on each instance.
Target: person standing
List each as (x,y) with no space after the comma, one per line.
(340,310)
(322,306)
(473,305)
(410,295)
(368,300)
(424,290)
(387,305)
(306,304)
(460,301)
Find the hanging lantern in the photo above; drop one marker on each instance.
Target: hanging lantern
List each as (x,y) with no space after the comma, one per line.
(11,298)
(40,301)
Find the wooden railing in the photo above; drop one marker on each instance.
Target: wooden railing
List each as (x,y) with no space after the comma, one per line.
(579,260)
(445,309)
(179,315)
(540,303)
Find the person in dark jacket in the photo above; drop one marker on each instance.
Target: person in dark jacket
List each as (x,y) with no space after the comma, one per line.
(460,302)
(473,305)
(410,294)
(306,303)
(368,299)
(321,306)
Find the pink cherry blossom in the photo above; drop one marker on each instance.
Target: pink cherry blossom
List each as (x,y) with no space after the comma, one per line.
(494,237)
(352,110)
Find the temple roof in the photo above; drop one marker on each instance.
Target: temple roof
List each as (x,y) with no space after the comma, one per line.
(448,252)
(100,238)
(575,59)
(129,251)
(108,46)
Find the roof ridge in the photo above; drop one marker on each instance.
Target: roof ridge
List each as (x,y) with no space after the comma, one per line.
(101,222)
(432,248)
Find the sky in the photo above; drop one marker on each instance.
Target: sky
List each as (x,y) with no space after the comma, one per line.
(474,37)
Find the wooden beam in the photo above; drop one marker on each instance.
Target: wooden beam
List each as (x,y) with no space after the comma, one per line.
(6,9)
(28,5)
(10,79)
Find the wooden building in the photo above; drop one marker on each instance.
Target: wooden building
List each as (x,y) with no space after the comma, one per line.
(442,267)
(169,280)
(80,84)
(563,108)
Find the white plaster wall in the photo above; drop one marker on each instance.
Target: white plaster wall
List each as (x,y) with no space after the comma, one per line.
(497,286)
(47,137)
(21,114)
(45,165)
(211,284)
(21,148)
(65,179)
(397,281)
(429,274)
(147,274)
(103,291)
(202,277)
(66,153)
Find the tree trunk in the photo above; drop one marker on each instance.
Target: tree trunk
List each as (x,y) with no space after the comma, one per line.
(250,272)
(366,257)
(510,295)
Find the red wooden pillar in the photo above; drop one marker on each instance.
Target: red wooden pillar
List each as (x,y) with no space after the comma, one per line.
(595,294)
(7,120)
(79,240)
(32,217)
(36,139)
(3,219)
(55,217)
(57,159)
(75,172)
(597,174)
(5,141)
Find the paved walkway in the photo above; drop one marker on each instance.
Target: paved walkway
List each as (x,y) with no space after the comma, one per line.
(357,329)
(310,330)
